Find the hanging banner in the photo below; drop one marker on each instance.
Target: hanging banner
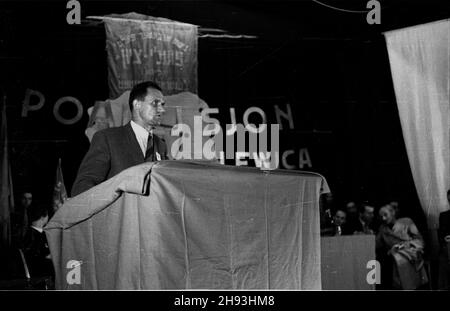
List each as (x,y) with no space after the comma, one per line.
(419,59)
(141,48)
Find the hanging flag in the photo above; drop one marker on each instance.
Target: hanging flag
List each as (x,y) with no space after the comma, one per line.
(59,191)
(142,48)
(6,190)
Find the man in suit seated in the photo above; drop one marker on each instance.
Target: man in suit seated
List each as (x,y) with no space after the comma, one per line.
(115,149)
(444,224)
(444,240)
(338,227)
(20,222)
(444,227)
(36,250)
(364,223)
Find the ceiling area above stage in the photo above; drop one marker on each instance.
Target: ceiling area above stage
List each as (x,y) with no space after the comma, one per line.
(270,20)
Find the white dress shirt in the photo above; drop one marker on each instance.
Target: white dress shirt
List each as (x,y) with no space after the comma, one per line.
(40,230)
(141,136)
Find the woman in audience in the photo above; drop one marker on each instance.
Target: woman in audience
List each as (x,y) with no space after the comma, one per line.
(400,245)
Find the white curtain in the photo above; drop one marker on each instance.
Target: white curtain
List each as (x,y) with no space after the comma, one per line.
(420,64)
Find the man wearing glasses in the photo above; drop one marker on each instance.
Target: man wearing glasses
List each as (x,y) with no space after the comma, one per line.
(115,149)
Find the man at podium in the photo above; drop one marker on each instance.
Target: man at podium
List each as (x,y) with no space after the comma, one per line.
(113,150)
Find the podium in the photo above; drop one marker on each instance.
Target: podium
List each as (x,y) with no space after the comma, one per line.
(191,225)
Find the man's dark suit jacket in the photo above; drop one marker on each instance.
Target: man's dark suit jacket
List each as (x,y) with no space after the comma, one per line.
(444,225)
(355,225)
(112,150)
(36,250)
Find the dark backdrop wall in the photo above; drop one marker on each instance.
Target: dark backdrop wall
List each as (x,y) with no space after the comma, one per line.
(331,67)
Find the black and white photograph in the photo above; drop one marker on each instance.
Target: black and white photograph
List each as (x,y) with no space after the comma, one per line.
(225,151)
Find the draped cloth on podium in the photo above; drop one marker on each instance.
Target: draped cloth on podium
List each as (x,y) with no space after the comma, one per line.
(191,225)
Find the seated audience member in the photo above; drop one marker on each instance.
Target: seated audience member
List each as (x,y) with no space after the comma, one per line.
(352,212)
(444,227)
(338,225)
(329,200)
(351,208)
(396,208)
(364,223)
(36,250)
(400,248)
(326,206)
(444,224)
(20,218)
(444,253)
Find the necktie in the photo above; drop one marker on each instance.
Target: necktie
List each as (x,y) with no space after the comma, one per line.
(150,154)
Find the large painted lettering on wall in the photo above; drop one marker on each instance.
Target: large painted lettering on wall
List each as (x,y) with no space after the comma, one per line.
(291,157)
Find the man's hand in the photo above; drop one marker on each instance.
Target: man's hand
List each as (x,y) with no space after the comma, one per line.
(447,238)
(395,248)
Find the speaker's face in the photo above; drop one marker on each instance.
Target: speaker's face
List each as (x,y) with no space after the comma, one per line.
(151,109)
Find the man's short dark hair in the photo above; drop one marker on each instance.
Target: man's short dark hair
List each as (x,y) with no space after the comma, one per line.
(37,212)
(362,207)
(340,210)
(139,91)
(448,191)
(23,192)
